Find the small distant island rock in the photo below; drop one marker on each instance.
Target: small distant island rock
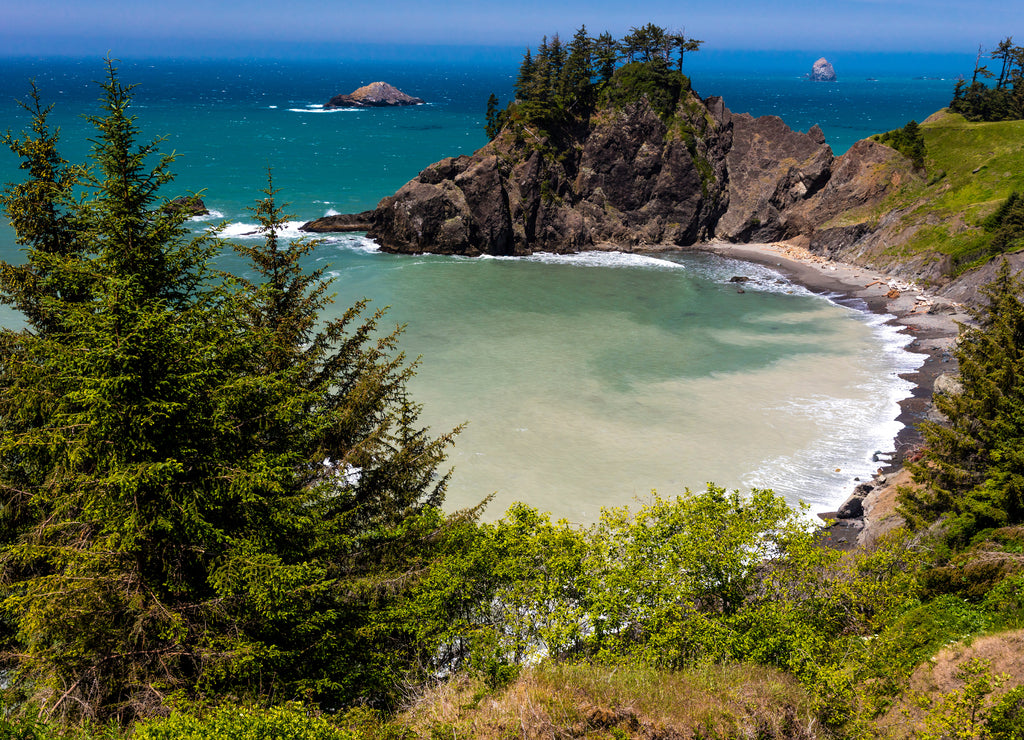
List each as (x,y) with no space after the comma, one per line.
(822,71)
(374,95)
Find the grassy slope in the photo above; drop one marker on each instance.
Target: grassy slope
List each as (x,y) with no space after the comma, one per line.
(936,217)
(971,169)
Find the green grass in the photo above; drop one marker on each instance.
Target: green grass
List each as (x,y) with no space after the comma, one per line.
(971,169)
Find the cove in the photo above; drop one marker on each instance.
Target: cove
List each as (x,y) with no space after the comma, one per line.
(590,380)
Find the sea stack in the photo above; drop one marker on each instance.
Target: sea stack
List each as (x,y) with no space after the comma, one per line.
(374,95)
(822,71)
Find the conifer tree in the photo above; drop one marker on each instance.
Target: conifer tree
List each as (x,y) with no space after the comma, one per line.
(579,67)
(201,487)
(606,56)
(973,466)
(525,81)
(43,214)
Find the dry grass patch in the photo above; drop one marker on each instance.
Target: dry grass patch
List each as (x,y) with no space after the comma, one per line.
(937,677)
(585,701)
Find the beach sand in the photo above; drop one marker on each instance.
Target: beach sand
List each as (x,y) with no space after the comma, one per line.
(931,321)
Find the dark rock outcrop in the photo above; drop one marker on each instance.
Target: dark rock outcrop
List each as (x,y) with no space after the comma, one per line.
(340,223)
(626,178)
(374,95)
(822,71)
(623,180)
(191,205)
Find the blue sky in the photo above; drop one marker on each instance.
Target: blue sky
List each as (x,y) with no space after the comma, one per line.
(327,27)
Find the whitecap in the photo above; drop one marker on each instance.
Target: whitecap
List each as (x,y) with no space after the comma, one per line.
(210,215)
(321,109)
(241,230)
(595,259)
(824,473)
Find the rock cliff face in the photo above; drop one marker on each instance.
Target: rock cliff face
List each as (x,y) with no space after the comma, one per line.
(374,95)
(627,179)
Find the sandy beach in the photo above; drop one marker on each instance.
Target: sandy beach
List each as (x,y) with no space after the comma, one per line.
(932,322)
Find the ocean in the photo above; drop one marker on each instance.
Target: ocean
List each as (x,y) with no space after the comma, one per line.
(586,381)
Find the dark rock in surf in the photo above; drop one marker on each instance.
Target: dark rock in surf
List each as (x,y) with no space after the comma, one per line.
(340,223)
(191,205)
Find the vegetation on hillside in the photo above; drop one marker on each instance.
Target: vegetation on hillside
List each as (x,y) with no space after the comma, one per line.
(562,82)
(1004,100)
(908,141)
(971,170)
(219,518)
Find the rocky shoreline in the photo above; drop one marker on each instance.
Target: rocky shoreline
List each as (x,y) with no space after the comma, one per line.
(932,321)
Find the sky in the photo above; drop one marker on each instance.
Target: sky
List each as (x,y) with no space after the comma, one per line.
(314,28)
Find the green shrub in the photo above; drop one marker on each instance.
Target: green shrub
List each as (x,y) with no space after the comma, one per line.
(654,81)
(1006,720)
(230,722)
(908,141)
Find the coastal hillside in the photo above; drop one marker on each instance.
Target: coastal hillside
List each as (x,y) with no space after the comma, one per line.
(933,226)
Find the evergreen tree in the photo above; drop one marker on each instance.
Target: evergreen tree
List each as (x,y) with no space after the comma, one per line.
(973,466)
(493,125)
(45,220)
(681,44)
(606,56)
(524,84)
(201,489)
(556,57)
(579,67)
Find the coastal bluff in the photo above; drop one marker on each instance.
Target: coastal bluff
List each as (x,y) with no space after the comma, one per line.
(626,178)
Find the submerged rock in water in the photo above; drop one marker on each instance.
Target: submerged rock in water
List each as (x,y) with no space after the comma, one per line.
(374,95)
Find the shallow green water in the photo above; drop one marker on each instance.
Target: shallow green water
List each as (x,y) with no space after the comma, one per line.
(590,381)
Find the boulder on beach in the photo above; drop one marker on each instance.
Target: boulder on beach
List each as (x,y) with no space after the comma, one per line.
(374,95)
(822,71)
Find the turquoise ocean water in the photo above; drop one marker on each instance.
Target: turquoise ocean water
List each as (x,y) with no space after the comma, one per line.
(586,381)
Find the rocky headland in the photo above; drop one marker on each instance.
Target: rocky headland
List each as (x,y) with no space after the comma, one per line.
(626,178)
(374,95)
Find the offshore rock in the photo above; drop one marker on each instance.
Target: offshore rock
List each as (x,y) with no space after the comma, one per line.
(340,223)
(374,95)
(822,71)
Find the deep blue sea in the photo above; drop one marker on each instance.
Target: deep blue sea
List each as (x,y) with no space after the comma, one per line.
(587,381)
